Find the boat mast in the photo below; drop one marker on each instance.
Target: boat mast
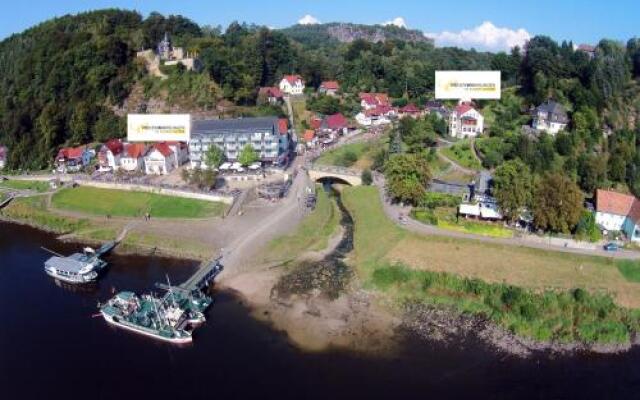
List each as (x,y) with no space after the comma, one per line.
(155,307)
(173,299)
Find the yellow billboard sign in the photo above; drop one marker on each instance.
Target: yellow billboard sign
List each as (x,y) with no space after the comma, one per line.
(467,85)
(158,127)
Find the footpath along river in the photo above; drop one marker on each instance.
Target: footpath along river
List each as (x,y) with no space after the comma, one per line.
(51,347)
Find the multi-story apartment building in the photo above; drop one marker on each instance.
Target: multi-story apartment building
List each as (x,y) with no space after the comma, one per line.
(266,135)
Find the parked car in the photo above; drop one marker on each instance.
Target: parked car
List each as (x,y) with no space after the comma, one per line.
(611,246)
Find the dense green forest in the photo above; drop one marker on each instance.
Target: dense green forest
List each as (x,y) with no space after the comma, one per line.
(62,78)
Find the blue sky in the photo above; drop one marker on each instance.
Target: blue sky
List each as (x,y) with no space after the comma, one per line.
(487,24)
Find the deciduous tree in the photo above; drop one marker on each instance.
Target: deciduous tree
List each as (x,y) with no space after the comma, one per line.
(407,177)
(512,188)
(248,155)
(557,203)
(213,157)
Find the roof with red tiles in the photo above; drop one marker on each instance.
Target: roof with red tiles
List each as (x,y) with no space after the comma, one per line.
(316,123)
(135,150)
(283,126)
(336,121)
(71,152)
(379,110)
(410,108)
(463,108)
(309,134)
(163,148)
(114,145)
(330,85)
(270,91)
(375,98)
(292,79)
(611,202)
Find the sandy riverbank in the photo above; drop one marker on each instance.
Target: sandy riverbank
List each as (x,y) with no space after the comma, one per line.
(314,322)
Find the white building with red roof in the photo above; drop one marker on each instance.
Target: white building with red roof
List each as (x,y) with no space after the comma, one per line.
(109,155)
(379,115)
(270,94)
(164,157)
(329,88)
(618,212)
(465,121)
(336,123)
(369,101)
(73,159)
(132,158)
(292,84)
(410,110)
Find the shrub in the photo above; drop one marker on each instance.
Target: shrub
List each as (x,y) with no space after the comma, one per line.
(427,216)
(348,158)
(366,177)
(432,200)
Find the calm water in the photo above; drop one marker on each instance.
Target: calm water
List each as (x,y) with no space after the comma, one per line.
(51,347)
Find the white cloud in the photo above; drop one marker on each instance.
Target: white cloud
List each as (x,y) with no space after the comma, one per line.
(485,36)
(308,20)
(397,21)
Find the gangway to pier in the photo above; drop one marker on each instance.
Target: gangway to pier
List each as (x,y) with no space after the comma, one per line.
(205,274)
(6,202)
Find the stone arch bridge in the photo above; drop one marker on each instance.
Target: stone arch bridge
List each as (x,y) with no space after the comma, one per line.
(351,176)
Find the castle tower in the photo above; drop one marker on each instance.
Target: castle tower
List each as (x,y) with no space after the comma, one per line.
(164,48)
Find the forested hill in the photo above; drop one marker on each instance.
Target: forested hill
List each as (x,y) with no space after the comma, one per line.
(63,80)
(347,32)
(60,78)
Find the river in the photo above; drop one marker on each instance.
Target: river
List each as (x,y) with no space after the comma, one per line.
(51,347)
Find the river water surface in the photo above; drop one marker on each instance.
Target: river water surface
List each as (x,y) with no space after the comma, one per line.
(51,348)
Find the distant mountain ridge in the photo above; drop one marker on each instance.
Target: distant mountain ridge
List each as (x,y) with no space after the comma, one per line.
(348,32)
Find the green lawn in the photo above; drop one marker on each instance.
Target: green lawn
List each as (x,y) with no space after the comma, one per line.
(123,203)
(629,269)
(299,107)
(37,186)
(477,228)
(462,154)
(312,234)
(33,210)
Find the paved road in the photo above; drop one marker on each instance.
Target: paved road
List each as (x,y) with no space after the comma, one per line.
(393,211)
(284,218)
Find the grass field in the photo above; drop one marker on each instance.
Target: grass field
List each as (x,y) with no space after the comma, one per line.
(122,203)
(312,234)
(32,210)
(357,155)
(477,228)
(454,175)
(462,154)
(300,113)
(629,269)
(532,292)
(37,186)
